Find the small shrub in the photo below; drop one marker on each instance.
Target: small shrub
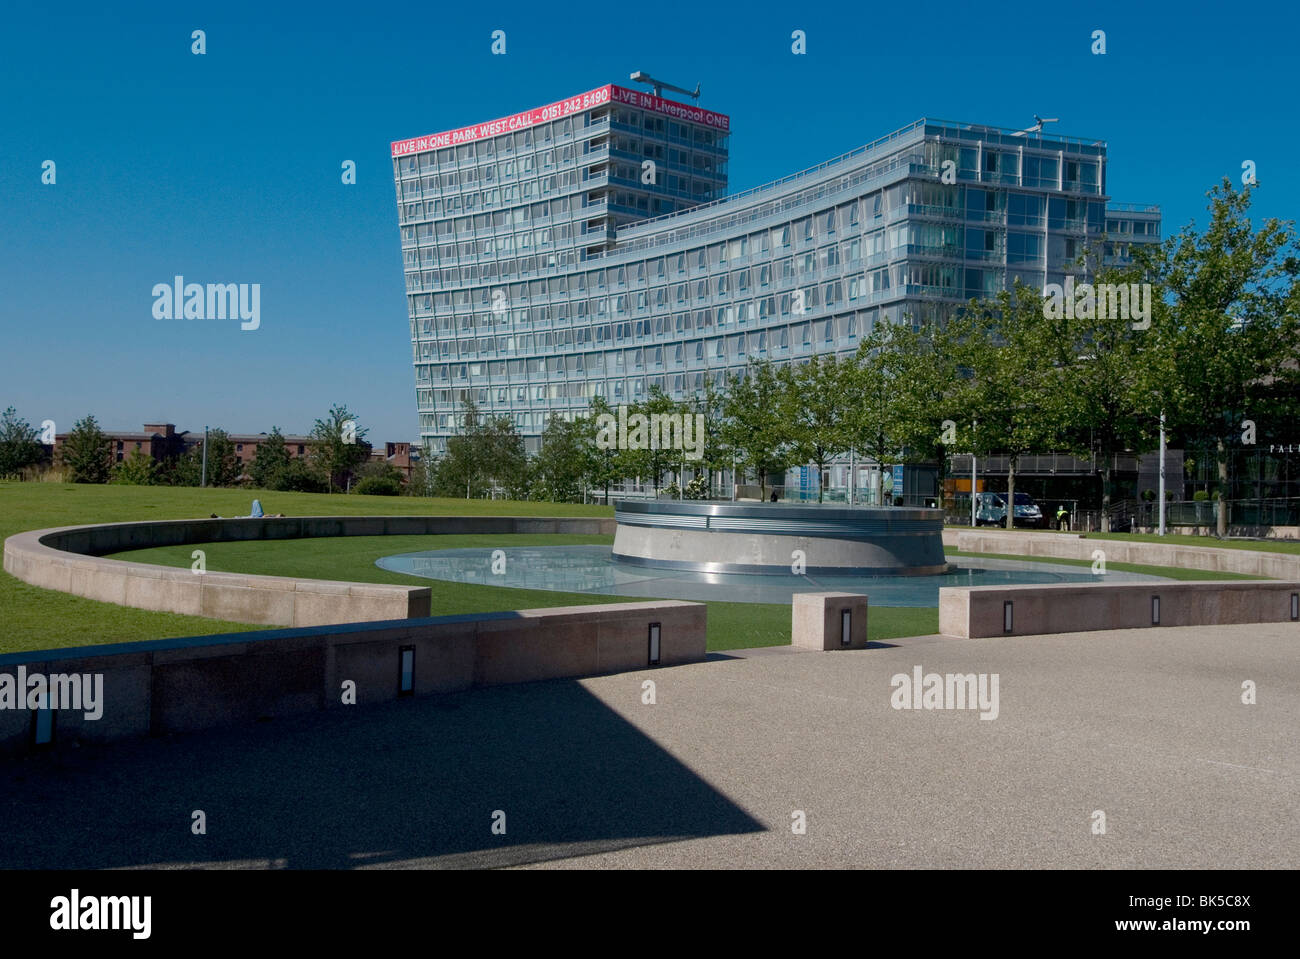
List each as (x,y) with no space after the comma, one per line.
(378,486)
(1200,496)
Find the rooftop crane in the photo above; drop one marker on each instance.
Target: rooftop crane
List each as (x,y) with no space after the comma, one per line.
(1037,127)
(640,76)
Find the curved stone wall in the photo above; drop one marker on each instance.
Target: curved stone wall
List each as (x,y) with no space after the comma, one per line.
(69,559)
(762,537)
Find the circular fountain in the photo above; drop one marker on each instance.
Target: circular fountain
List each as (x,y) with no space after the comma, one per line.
(774,537)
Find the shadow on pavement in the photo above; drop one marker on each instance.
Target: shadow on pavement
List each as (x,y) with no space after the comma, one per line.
(410,783)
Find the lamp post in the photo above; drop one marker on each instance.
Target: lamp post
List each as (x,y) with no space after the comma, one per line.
(203,479)
(1162,473)
(973,425)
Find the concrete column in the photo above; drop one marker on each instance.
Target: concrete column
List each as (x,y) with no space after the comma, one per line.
(818,621)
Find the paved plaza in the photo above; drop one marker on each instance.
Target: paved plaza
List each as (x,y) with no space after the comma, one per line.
(1145,726)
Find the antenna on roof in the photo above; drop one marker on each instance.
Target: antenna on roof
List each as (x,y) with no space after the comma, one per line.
(1037,127)
(640,76)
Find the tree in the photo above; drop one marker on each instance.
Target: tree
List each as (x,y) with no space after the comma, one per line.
(561,465)
(223,467)
(300,476)
(138,469)
(1227,326)
(488,453)
(1104,381)
(602,463)
(423,470)
(815,405)
(338,446)
(19,447)
(655,458)
(871,421)
(271,459)
(378,479)
(709,403)
(505,462)
(86,453)
(1011,391)
(755,428)
(923,393)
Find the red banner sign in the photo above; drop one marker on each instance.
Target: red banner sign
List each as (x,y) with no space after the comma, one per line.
(559,110)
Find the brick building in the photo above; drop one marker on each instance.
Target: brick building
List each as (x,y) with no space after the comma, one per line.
(162,441)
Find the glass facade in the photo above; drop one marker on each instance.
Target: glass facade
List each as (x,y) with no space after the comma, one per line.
(599,255)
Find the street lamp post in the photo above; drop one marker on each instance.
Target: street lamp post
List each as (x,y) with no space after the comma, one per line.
(1162,472)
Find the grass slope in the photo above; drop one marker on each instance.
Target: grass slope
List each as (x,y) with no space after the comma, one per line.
(33,618)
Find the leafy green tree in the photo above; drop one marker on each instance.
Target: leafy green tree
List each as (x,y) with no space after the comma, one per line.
(1109,397)
(871,420)
(271,459)
(1227,327)
(505,464)
(659,458)
(561,464)
(138,469)
(301,476)
(423,470)
(602,464)
(338,446)
(1011,393)
(710,403)
(19,446)
(755,427)
(815,406)
(378,479)
(923,402)
(488,453)
(86,453)
(223,465)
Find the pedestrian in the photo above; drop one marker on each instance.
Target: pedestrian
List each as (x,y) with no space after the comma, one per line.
(1062,518)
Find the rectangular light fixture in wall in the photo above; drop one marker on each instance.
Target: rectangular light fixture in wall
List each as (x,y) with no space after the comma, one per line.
(42,727)
(1155,610)
(1006,616)
(1295,605)
(846,627)
(654,644)
(406,671)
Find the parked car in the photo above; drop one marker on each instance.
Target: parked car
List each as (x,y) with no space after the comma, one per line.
(991,510)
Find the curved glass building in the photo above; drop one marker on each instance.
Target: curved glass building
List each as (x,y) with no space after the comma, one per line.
(589,248)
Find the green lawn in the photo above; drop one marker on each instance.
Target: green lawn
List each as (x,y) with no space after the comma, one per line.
(352,558)
(32,618)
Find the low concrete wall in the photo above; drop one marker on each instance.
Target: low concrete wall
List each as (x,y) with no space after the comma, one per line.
(69,559)
(182,685)
(1071,546)
(972,612)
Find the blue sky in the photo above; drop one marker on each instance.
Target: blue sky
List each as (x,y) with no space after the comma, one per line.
(226,167)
